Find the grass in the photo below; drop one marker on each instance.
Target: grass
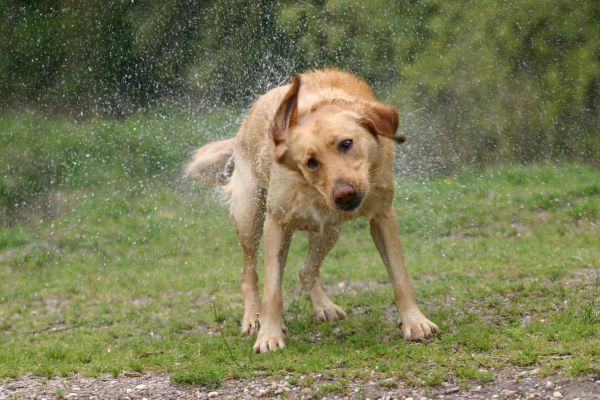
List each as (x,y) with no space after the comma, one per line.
(125,276)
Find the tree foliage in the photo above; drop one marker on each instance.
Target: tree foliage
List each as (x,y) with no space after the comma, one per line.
(476,81)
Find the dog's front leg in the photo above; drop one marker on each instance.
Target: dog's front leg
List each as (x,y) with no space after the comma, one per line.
(415,326)
(277,243)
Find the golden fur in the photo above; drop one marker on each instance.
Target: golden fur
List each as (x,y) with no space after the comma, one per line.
(309,156)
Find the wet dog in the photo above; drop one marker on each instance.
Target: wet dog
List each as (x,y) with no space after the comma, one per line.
(310,156)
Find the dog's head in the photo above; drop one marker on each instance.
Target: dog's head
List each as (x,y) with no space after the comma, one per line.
(336,146)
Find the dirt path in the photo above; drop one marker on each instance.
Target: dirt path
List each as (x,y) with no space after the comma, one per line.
(509,384)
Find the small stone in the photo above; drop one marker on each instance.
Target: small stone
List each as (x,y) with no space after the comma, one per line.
(557,395)
(409,398)
(213,395)
(129,390)
(71,396)
(140,387)
(531,395)
(549,384)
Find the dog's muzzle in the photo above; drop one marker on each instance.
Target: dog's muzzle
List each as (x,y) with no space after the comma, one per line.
(346,197)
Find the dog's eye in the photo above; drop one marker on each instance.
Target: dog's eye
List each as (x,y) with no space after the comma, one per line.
(345,145)
(312,163)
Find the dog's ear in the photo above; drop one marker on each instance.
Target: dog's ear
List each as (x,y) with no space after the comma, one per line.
(285,118)
(381,119)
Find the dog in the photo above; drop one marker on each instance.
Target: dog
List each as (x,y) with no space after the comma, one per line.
(310,155)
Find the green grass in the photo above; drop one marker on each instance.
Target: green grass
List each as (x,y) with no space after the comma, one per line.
(506,261)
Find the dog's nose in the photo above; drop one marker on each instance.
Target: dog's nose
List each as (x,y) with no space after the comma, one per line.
(345,196)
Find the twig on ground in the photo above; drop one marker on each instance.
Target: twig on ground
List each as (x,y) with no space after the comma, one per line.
(240,366)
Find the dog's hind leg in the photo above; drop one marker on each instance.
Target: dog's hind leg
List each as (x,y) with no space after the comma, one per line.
(247,212)
(319,245)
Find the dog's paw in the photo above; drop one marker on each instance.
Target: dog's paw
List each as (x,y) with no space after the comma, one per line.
(268,339)
(249,326)
(250,322)
(416,327)
(329,312)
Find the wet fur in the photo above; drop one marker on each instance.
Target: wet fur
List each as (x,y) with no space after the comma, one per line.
(274,191)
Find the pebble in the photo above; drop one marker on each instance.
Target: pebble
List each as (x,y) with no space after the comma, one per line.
(549,384)
(213,395)
(557,395)
(140,387)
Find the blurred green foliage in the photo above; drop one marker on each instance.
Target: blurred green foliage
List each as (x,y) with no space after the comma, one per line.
(42,155)
(477,82)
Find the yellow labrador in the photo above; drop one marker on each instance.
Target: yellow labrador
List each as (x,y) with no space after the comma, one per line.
(310,156)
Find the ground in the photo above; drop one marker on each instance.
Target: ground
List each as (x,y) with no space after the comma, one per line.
(511,383)
(129,288)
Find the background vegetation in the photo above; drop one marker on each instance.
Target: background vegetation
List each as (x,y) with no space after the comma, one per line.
(477,82)
(111,261)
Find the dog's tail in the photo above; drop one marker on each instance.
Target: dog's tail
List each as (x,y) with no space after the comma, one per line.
(213,163)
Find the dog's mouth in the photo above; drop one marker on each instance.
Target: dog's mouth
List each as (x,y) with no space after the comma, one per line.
(349,203)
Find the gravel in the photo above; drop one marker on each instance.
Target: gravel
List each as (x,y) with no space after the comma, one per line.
(510,383)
